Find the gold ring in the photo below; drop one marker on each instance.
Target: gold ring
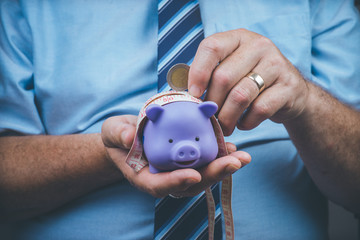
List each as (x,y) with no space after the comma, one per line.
(258,80)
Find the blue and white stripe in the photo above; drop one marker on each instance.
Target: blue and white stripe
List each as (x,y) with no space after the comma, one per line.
(169,225)
(186,218)
(179,35)
(201,231)
(179,47)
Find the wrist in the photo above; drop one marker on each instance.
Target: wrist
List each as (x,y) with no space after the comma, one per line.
(307,105)
(109,165)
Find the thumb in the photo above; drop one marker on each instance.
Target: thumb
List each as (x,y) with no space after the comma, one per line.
(119,131)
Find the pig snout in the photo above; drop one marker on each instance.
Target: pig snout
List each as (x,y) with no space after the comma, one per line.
(185,152)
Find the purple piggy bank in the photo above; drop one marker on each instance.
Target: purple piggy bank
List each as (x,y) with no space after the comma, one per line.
(179,135)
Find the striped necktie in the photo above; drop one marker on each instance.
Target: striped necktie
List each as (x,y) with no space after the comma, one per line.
(180,33)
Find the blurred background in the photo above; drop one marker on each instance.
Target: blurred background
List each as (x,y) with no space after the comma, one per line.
(343,224)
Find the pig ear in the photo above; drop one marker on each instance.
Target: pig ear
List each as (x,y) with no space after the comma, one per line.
(153,111)
(208,108)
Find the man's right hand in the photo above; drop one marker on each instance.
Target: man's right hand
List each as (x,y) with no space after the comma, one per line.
(118,134)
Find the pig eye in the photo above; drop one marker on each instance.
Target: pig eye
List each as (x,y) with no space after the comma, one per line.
(170,140)
(197,139)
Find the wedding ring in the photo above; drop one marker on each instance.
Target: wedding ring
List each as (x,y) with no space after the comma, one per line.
(258,80)
(173,196)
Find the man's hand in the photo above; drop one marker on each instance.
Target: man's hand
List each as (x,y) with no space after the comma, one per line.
(221,66)
(118,134)
(324,131)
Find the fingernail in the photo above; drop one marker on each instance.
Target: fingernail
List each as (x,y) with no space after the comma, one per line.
(232,148)
(232,168)
(191,181)
(244,157)
(195,91)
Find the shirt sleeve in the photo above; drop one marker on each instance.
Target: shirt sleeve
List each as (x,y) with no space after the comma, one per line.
(336,49)
(18,111)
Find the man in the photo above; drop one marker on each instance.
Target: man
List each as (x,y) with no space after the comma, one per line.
(67,67)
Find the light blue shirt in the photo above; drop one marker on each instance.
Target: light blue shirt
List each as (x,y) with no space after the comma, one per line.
(66,66)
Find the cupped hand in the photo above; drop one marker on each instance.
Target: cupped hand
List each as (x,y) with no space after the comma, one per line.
(221,66)
(118,134)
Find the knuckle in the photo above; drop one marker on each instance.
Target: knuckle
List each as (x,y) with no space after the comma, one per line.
(242,31)
(227,125)
(288,82)
(211,44)
(222,77)
(107,124)
(225,122)
(199,74)
(262,109)
(277,62)
(263,42)
(240,96)
(244,124)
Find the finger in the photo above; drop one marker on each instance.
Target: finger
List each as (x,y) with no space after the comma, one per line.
(158,185)
(218,170)
(269,105)
(258,112)
(119,131)
(215,49)
(230,71)
(162,184)
(282,89)
(222,167)
(244,157)
(246,91)
(239,99)
(230,147)
(211,51)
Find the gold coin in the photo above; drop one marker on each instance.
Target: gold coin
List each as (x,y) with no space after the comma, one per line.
(177,76)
